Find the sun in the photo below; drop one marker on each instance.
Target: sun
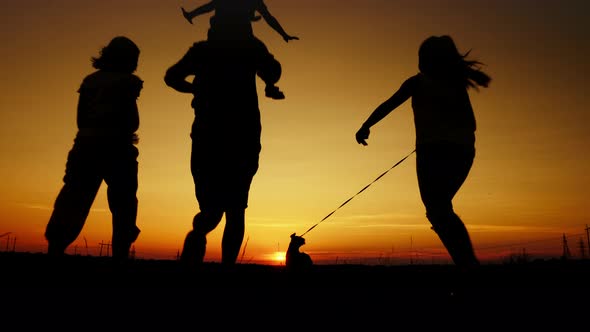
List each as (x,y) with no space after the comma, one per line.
(279,257)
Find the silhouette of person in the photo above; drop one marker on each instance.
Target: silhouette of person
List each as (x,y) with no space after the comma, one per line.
(232,20)
(225,136)
(103,150)
(445,135)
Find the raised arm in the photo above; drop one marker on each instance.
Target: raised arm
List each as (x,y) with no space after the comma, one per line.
(398,98)
(273,22)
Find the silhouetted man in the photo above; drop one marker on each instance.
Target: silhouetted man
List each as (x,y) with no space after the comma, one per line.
(225,136)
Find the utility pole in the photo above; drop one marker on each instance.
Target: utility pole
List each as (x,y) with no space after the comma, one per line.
(566,250)
(588,238)
(102,244)
(7,243)
(582,249)
(7,240)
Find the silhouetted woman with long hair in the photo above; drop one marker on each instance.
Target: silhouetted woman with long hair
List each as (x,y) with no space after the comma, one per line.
(445,135)
(104,150)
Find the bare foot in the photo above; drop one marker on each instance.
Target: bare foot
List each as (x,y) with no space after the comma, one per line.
(273,92)
(187,15)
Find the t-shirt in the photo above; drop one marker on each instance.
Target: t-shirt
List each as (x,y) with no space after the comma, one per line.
(107,104)
(442,111)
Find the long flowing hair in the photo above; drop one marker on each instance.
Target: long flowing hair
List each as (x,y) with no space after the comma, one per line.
(120,55)
(439,57)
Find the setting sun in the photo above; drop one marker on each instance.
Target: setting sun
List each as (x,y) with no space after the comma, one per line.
(279,257)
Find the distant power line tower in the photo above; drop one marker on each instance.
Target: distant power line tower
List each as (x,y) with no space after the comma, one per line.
(7,242)
(107,245)
(566,250)
(86,245)
(582,248)
(8,238)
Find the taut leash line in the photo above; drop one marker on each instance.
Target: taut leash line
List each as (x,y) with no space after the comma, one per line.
(367,186)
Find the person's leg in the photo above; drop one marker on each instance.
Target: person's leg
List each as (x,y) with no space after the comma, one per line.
(72,205)
(122,184)
(455,238)
(206,177)
(237,190)
(195,242)
(233,235)
(441,172)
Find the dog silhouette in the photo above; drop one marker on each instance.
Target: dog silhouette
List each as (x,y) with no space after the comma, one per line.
(296,260)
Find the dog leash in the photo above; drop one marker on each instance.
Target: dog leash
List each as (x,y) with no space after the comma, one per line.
(367,186)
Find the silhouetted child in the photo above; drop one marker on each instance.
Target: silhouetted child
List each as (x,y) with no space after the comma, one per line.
(232,21)
(445,135)
(104,150)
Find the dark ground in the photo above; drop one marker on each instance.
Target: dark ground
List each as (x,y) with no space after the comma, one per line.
(546,294)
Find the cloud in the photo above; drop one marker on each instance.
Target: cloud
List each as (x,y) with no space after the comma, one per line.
(36,207)
(383,216)
(50,208)
(513,228)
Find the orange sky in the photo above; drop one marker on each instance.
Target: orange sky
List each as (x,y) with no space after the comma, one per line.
(527,188)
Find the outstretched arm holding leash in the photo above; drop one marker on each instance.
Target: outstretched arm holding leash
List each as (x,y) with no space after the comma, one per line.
(398,98)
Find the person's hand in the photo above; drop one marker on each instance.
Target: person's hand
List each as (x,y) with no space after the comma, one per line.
(362,135)
(287,38)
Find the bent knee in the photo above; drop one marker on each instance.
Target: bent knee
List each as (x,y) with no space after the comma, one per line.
(205,222)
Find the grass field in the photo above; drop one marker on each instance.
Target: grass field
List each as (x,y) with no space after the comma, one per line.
(538,293)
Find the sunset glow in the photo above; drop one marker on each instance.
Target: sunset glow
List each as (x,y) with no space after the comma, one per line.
(279,257)
(527,190)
